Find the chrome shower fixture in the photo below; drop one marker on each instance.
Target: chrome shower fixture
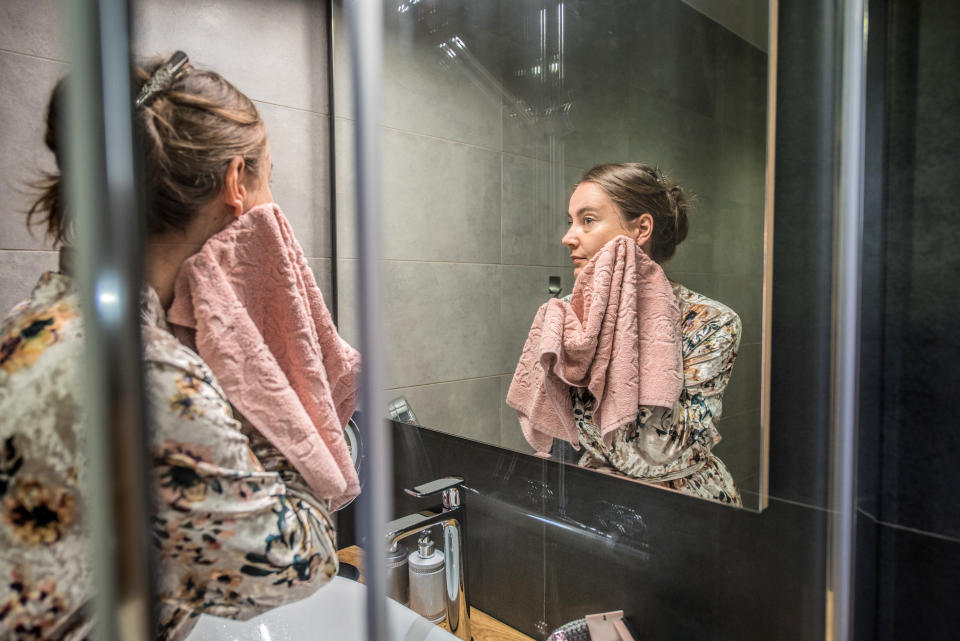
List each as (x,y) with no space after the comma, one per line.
(399,410)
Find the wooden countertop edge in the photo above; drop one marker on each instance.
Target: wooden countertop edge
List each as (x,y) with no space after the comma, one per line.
(483,626)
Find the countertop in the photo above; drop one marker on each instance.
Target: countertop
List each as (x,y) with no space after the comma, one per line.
(483,626)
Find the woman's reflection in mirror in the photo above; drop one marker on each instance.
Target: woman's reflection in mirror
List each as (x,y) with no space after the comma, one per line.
(669,446)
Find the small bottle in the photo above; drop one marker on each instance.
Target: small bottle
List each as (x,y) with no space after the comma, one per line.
(398,577)
(427,581)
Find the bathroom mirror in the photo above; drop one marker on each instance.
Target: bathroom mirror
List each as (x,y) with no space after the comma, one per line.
(491,113)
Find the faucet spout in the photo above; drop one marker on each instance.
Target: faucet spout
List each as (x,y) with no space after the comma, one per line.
(451,516)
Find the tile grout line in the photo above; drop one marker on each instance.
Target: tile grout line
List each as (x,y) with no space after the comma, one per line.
(33,56)
(454,380)
(290,107)
(461,262)
(458,262)
(451,141)
(905,528)
(933,535)
(797,503)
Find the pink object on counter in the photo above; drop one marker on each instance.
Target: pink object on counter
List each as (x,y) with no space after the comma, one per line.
(619,336)
(252,310)
(602,626)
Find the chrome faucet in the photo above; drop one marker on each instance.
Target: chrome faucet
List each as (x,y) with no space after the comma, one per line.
(451,514)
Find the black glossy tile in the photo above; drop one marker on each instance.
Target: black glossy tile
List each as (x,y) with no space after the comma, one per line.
(920,442)
(651,545)
(569,542)
(917,586)
(802,255)
(865,573)
(872,364)
(919,474)
(770,580)
(873,269)
(506,562)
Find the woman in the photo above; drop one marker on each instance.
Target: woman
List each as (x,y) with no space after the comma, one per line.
(235,528)
(665,446)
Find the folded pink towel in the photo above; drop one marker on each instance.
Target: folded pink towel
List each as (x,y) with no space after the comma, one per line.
(619,336)
(260,323)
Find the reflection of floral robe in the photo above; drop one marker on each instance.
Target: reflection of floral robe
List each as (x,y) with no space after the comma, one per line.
(236,532)
(672,445)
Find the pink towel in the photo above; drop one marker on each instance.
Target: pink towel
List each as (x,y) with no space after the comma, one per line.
(261,325)
(619,336)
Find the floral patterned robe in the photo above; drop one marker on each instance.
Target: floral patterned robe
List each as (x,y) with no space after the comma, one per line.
(671,446)
(235,529)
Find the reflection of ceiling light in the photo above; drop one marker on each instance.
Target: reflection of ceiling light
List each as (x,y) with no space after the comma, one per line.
(403,7)
(554,67)
(107,296)
(536,70)
(447,50)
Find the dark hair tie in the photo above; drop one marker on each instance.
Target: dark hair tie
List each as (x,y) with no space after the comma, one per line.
(164,77)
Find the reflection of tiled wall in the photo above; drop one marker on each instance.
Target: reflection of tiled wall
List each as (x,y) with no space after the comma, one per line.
(241,40)
(475,198)
(469,241)
(690,97)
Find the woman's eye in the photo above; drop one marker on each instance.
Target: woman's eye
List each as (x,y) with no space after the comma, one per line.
(588,220)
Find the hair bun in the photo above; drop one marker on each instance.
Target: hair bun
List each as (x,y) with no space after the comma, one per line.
(681,207)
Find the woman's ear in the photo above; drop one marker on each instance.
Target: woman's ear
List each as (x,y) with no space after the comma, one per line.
(234,193)
(642,228)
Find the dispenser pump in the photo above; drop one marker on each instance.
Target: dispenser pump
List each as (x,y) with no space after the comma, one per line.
(425,547)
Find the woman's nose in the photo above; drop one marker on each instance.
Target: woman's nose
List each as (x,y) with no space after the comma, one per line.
(569,239)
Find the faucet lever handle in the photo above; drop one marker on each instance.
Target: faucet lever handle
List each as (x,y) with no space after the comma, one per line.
(435,487)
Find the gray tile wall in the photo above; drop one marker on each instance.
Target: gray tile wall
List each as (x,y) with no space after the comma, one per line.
(476,194)
(274,52)
(690,97)
(443,206)
(30,64)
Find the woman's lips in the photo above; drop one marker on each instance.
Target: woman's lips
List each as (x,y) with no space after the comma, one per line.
(578,259)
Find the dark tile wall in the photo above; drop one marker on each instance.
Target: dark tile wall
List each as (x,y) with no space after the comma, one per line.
(909,535)
(549,542)
(922,289)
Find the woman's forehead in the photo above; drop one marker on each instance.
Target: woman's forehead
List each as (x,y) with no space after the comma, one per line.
(588,195)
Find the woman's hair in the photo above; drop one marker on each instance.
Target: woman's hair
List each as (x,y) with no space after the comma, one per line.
(189,133)
(639,189)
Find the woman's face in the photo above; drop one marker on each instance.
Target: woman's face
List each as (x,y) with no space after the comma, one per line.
(594,220)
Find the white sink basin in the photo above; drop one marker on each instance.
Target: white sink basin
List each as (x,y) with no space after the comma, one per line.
(335,612)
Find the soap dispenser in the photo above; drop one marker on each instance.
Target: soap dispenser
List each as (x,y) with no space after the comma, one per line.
(427,581)
(398,577)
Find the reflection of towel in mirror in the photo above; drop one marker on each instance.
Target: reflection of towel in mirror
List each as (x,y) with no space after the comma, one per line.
(259,321)
(618,336)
